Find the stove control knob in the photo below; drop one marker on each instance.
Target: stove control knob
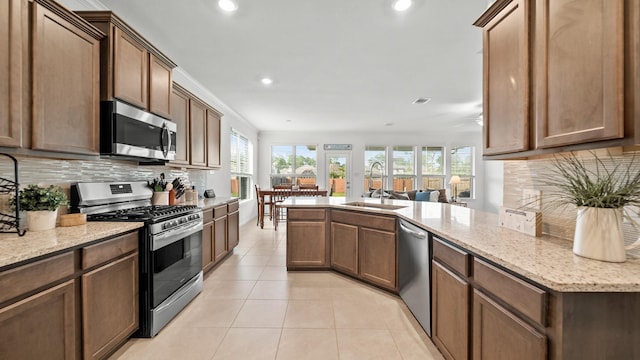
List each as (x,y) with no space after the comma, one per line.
(183,220)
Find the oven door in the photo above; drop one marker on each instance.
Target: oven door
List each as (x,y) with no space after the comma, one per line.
(176,258)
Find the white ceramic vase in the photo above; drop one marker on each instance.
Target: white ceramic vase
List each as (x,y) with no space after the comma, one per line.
(42,220)
(160,198)
(599,235)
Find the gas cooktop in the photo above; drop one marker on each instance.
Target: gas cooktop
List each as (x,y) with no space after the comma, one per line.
(144,213)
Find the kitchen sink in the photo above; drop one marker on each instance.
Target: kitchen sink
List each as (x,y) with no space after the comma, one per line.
(374,205)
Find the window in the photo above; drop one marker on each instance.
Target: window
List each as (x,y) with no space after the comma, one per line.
(373,176)
(293,164)
(404,165)
(241,165)
(462,164)
(433,167)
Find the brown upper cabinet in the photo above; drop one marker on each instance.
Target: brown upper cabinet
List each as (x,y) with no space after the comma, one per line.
(13,56)
(132,69)
(66,60)
(49,79)
(198,143)
(559,75)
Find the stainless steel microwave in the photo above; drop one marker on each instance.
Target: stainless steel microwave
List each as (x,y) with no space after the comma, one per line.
(128,132)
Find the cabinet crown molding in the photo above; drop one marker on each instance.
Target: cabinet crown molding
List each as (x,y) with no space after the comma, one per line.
(111,17)
(491,12)
(68,15)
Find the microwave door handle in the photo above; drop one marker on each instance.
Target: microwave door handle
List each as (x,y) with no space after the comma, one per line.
(165,149)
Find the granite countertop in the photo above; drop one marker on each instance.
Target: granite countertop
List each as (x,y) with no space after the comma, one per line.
(216,201)
(545,260)
(15,249)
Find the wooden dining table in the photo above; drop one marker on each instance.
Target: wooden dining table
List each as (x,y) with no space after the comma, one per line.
(281,194)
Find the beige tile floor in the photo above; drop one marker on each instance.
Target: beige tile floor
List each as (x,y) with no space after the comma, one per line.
(252,308)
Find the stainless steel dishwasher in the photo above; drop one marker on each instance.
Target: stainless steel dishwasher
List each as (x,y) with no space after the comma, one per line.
(414,271)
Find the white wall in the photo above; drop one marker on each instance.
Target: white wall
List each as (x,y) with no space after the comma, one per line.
(358,141)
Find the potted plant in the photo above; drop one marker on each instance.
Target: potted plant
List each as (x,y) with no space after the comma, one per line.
(601,191)
(41,205)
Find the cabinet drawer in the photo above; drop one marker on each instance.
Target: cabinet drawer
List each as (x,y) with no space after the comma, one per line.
(29,277)
(219,211)
(306,214)
(522,296)
(456,259)
(367,220)
(233,206)
(99,253)
(207,216)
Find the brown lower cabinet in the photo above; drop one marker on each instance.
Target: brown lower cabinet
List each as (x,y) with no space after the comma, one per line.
(450,312)
(42,326)
(365,246)
(221,232)
(344,247)
(307,243)
(500,334)
(79,304)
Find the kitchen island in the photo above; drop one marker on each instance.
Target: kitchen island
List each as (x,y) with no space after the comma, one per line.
(507,291)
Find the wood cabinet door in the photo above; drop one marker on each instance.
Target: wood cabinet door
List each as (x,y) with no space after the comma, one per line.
(219,239)
(579,71)
(207,246)
(130,70)
(109,306)
(213,138)
(506,80)
(66,86)
(344,247)
(160,85)
(42,326)
(180,115)
(233,231)
(307,243)
(377,256)
(500,335)
(197,132)
(12,16)
(451,298)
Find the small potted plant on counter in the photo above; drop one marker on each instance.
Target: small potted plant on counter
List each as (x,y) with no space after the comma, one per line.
(41,205)
(602,190)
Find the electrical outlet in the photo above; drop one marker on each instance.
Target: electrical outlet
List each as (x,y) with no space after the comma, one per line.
(532,199)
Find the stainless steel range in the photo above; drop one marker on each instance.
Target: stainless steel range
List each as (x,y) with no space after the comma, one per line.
(170,246)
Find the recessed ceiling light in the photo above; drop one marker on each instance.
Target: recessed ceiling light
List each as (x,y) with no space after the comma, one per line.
(401,5)
(266,81)
(422,100)
(228,5)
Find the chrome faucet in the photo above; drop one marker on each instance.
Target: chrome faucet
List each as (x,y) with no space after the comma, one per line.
(381,178)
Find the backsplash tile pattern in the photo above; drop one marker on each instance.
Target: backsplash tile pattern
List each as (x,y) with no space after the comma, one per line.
(66,172)
(559,221)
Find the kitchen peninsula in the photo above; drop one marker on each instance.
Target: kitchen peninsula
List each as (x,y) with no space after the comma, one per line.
(504,290)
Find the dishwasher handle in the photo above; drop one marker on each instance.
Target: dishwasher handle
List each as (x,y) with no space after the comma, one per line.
(416,234)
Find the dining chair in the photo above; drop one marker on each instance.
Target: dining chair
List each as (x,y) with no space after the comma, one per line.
(282,186)
(268,202)
(279,212)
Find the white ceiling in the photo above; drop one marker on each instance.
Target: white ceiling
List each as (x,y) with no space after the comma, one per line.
(336,64)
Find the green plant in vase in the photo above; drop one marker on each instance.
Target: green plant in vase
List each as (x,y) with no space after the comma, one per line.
(41,205)
(600,190)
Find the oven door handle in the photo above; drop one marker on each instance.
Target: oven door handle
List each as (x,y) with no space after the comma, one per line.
(173,235)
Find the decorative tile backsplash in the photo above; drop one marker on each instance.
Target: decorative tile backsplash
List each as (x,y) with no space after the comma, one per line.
(559,221)
(65,172)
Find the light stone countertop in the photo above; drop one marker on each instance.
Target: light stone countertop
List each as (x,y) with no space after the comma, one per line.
(15,249)
(545,260)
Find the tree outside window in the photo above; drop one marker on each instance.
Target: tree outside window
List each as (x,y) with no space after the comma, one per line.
(293,164)
(404,165)
(240,165)
(373,153)
(433,167)
(462,164)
